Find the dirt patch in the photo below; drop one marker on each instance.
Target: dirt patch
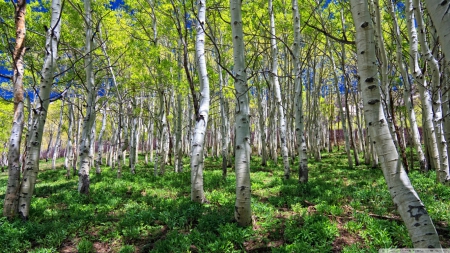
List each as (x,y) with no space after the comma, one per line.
(101,247)
(345,238)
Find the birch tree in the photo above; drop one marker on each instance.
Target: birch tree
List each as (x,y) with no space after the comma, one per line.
(58,137)
(299,124)
(419,224)
(443,171)
(89,116)
(242,209)
(277,93)
(12,190)
(40,113)
(201,121)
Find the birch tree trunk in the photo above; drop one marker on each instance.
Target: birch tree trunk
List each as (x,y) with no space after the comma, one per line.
(40,114)
(201,122)
(407,92)
(299,124)
(242,209)
(277,90)
(68,161)
(440,14)
(179,121)
(58,136)
(262,125)
(425,98)
(89,118)
(341,113)
(12,190)
(178,135)
(410,207)
(443,172)
(98,162)
(224,125)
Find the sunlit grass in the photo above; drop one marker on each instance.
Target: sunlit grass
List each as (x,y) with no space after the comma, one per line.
(339,209)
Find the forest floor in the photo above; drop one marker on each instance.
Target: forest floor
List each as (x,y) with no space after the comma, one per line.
(338,210)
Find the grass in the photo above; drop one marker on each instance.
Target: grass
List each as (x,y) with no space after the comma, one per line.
(338,210)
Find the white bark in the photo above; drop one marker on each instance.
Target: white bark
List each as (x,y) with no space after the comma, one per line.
(68,161)
(410,207)
(277,90)
(197,153)
(407,92)
(262,126)
(89,118)
(58,137)
(425,97)
(242,209)
(178,135)
(440,14)
(299,124)
(98,162)
(443,171)
(224,125)
(12,190)
(40,114)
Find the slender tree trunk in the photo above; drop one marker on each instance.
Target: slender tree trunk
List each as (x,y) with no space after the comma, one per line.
(224,125)
(341,113)
(299,123)
(88,121)
(410,207)
(10,207)
(277,90)
(98,162)
(40,115)
(425,96)
(68,161)
(58,137)
(201,122)
(443,172)
(262,125)
(415,136)
(242,209)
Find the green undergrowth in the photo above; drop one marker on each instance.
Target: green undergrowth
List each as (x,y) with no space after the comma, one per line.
(338,210)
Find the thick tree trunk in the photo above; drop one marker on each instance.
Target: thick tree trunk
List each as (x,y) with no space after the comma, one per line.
(242,209)
(10,207)
(439,13)
(410,207)
(40,114)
